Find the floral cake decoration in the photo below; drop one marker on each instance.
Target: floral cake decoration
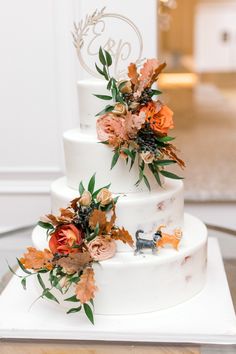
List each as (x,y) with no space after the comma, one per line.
(83,234)
(135,123)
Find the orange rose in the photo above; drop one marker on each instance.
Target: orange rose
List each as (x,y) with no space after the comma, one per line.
(159,116)
(64,238)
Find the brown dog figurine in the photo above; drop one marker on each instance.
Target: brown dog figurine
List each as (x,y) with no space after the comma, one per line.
(172,240)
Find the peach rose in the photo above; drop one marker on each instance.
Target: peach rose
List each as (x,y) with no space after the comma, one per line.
(64,238)
(85,199)
(159,116)
(110,126)
(101,248)
(126,86)
(104,196)
(119,109)
(147,157)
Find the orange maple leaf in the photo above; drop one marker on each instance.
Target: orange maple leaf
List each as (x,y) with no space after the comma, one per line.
(111,223)
(98,217)
(35,259)
(123,235)
(133,74)
(149,73)
(75,262)
(86,288)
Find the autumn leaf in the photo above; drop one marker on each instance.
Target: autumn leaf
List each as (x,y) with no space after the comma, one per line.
(74,263)
(52,219)
(35,259)
(85,288)
(98,217)
(123,235)
(156,73)
(149,73)
(73,203)
(111,223)
(169,150)
(67,215)
(133,74)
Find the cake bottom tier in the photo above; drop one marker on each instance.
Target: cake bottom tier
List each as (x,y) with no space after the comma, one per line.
(129,284)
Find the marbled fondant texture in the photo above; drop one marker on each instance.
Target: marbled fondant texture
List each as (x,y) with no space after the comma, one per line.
(135,210)
(131,284)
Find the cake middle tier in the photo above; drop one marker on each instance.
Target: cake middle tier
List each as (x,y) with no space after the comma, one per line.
(85,155)
(143,210)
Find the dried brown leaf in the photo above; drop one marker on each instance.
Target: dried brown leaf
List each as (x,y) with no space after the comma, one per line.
(75,262)
(111,223)
(73,203)
(86,288)
(35,259)
(123,235)
(133,74)
(98,217)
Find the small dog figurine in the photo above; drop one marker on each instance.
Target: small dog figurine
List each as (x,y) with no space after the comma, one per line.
(142,243)
(173,240)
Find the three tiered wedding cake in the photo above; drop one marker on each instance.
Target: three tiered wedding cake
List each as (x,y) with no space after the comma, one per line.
(127,247)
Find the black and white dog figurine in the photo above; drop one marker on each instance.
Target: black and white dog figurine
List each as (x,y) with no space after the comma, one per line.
(142,243)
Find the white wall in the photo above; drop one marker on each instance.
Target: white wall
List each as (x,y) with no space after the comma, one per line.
(38,73)
(36,103)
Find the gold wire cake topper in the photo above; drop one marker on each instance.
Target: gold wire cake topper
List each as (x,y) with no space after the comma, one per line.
(122,40)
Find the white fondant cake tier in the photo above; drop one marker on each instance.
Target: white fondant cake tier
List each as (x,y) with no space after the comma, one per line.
(131,284)
(87,111)
(84,155)
(144,210)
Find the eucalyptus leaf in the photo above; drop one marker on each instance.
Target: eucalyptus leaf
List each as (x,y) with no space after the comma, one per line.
(99,70)
(109,84)
(102,57)
(49,295)
(105,72)
(170,174)
(91,184)
(105,110)
(81,188)
(108,58)
(122,84)
(75,309)
(114,93)
(99,190)
(23,283)
(164,162)
(115,159)
(128,152)
(156,92)
(89,313)
(165,139)
(146,182)
(103,97)
(40,280)
(72,299)
(45,225)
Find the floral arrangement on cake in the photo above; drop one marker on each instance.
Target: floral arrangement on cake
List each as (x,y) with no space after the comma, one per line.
(136,124)
(84,233)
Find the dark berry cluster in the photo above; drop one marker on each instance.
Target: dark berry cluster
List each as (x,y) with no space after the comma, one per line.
(83,214)
(145,97)
(146,140)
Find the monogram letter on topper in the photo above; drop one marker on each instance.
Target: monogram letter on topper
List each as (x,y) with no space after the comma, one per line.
(113,32)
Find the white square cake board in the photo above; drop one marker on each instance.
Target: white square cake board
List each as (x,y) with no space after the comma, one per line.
(207,318)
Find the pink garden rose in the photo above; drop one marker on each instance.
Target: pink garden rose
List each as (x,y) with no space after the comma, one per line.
(110,126)
(101,248)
